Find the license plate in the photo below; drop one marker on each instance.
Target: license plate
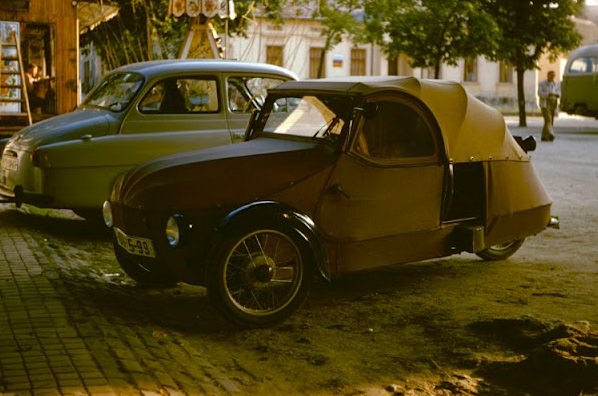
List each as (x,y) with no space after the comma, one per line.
(139,246)
(9,162)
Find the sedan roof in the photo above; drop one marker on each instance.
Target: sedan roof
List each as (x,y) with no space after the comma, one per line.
(472,130)
(173,66)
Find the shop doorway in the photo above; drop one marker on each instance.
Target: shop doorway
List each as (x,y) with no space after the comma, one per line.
(38,52)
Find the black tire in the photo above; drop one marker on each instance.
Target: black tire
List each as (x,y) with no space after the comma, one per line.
(259,275)
(502,251)
(145,276)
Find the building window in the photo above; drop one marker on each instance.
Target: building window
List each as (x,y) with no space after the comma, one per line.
(358,62)
(316,63)
(470,70)
(274,55)
(505,73)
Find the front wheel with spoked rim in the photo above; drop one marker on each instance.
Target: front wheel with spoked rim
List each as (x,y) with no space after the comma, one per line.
(502,251)
(260,275)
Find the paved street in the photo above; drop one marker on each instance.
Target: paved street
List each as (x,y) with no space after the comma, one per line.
(53,342)
(72,324)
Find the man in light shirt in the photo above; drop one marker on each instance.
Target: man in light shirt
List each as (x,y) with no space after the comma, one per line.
(549,93)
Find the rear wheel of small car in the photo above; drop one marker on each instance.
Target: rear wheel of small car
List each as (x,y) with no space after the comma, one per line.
(142,274)
(260,276)
(502,251)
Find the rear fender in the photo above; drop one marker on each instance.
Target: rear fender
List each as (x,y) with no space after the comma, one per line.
(258,211)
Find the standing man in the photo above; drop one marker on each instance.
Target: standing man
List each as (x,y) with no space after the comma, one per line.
(549,93)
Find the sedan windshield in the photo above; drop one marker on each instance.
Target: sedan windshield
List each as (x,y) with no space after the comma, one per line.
(307,116)
(115,92)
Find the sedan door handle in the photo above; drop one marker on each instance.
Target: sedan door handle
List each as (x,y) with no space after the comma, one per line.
(337,189)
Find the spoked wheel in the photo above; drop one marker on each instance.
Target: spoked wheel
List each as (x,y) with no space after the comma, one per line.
(502,251)
(260,276)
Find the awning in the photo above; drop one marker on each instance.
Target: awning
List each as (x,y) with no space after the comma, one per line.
(91,13)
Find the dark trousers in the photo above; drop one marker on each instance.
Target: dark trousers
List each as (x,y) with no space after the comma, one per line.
(548,114)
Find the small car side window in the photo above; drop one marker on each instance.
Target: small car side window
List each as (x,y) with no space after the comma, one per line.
(393,131)
(180,96)
(248,93)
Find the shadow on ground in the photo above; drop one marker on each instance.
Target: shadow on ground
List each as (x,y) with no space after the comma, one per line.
(59,223)
(546,358)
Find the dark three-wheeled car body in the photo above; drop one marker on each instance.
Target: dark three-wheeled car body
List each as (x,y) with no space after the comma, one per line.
(335,176)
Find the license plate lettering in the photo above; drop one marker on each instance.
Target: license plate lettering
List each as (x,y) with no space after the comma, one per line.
(138,246)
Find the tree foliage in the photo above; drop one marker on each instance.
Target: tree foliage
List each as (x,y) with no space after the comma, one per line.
(530,29)
(143,30)
(338,18)
(430,32)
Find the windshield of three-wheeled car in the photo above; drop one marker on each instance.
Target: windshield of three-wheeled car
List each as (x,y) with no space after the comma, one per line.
(115,92)
(305,116)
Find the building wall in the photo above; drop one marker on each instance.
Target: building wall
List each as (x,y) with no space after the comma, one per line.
(489,88)
(297,36)
(62,17)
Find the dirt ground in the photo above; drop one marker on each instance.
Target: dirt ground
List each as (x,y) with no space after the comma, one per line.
(454,326)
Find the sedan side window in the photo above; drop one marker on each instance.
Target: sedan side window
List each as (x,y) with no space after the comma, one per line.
(181,96)
(393,131)
(248,93)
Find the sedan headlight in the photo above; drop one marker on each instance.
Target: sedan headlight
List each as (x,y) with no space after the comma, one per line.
(177,230)
(107,214)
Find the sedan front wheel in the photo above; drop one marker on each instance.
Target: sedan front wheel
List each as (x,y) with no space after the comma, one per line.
(260,275)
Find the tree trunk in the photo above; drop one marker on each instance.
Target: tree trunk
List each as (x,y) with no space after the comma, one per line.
(322,63)
(148,36)
(437,70)
(521,96)
(393,65)
(325,49)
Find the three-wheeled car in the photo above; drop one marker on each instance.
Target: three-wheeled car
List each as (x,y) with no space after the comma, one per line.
(334,176)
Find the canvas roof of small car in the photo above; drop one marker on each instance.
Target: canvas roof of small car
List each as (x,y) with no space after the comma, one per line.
(174,66)
(472,131)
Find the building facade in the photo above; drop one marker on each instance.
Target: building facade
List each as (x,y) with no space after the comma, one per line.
(298,45)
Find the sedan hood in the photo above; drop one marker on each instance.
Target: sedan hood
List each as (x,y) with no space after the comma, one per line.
(95,122)
(223,176)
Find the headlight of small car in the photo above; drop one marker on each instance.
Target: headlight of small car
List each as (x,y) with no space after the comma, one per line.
(107,214)
(177,230)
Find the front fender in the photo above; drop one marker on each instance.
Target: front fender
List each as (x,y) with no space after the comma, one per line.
(272,210)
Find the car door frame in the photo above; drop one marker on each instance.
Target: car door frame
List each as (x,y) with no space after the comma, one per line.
(237,121)
(366,249)
(138,122)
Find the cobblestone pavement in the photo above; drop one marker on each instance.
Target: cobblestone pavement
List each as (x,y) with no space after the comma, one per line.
(62,335)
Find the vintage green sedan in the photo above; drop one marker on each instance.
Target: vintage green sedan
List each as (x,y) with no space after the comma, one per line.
(335,176)
(138,112)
